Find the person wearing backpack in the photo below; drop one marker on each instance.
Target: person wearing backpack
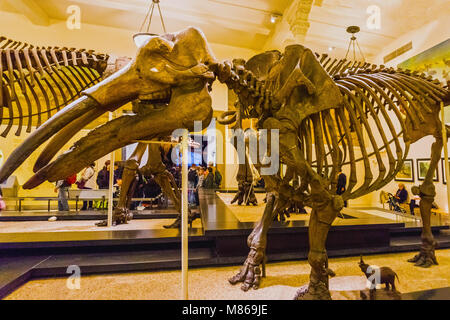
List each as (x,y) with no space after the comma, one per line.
(192,183)
(62,187)
(217,177)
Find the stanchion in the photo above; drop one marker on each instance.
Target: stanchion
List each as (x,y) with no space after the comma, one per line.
(184,216)
(111,182)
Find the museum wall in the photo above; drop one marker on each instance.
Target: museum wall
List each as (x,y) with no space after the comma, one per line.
(422,39)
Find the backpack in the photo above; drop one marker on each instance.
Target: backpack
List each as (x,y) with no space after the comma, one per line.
(71,179)
(217,179)
(192,176)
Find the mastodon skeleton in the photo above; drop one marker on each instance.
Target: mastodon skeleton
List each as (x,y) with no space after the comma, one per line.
(292,92)
(332,106)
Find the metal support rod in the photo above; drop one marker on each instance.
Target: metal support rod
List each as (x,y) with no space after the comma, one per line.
(111,182)
(184,216)
(444,137)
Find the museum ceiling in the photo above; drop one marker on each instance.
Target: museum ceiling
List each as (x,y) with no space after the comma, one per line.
(319,24)
(247,23)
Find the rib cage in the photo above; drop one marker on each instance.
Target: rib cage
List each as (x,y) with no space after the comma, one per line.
(372,96)
(42,79)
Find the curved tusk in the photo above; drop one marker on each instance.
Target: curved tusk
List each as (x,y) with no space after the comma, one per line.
(46,131)
(63,136)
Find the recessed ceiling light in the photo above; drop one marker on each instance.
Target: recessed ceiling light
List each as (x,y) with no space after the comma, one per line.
(331,48)
(274,17)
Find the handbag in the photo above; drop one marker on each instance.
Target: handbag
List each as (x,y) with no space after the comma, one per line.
(80,184)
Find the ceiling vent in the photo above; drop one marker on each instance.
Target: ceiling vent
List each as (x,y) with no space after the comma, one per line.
(398,52)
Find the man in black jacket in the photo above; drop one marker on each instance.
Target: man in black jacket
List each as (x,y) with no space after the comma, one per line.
(341,184)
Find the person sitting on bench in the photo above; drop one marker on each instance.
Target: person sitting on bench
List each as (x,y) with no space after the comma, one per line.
(401,195)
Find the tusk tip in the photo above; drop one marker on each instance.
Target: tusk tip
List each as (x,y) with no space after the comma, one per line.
(34,181)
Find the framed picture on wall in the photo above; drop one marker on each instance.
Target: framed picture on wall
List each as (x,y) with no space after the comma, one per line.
(444,178)
(406,173)
(422,168)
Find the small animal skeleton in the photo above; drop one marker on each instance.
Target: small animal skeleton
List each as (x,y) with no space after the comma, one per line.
(376,275)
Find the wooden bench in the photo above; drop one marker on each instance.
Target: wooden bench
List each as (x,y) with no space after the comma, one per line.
(87,195)
(74,195)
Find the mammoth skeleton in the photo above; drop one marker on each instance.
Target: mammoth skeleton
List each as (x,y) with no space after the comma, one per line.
(322,109)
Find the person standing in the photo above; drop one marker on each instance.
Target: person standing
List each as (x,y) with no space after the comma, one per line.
(87,182)
(192,183)
(103,176)
(62,187)
(209,180)
(217,178)
(341,185)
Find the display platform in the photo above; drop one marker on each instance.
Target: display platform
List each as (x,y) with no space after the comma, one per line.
(281,283)
(44,215)
(218,238)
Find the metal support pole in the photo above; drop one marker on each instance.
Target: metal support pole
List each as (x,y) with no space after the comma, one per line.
(444,137)
(111,182)
(184,216)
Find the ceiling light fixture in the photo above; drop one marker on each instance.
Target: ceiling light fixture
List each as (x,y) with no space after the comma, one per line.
(274,17)
(142,36)
(354,42)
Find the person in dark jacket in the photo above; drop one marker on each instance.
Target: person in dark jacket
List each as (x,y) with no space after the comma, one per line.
(103,176)
(209,182)
(341,185)
(192,183)
(401,195)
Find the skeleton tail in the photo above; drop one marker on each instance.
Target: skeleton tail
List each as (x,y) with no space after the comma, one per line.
(36,82)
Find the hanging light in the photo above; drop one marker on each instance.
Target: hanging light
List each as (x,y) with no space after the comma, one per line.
(142,37)
(354,42)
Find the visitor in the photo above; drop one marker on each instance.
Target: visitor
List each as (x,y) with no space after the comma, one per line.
(151,190)
(201,177)
(138,191)
(192,183)
(87,182)
(341,185)
(103,176)
(401,195)
(62,187)
(200,180)
(217,178)
(209,180)
(414,203)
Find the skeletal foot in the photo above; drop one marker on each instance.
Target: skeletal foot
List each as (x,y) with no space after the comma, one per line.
(119,217)
(426,257)
(250,273)
(177,222)
(313,292)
